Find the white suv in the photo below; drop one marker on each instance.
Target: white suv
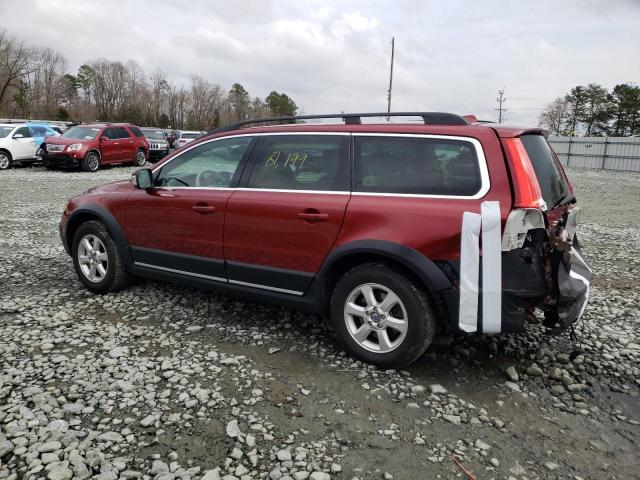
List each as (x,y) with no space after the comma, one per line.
(16,144)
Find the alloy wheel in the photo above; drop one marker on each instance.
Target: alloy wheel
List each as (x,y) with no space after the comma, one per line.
(93,162)
(4,161)
(376,318)
(140,158)
(93,258)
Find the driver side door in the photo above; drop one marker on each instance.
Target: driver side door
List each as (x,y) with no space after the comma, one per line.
(177,226)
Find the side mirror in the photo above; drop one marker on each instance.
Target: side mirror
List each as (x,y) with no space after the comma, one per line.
(104,139)
(142,179)
(18,135)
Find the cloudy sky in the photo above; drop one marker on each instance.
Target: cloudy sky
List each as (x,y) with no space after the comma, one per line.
(333,56)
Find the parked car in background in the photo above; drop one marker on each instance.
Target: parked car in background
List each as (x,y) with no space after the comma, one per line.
(20,142)
(92,145)
(377,226)
(186,136)
(158,144)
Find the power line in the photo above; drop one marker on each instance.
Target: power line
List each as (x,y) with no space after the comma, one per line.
(500,101)
(390,77)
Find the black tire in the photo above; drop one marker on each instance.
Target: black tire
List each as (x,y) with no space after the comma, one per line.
(91,162)
(116,276)
(419,312)
(5,160)
(140,159)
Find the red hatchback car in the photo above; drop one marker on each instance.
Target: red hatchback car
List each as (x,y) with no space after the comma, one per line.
(393,230)
(92,145)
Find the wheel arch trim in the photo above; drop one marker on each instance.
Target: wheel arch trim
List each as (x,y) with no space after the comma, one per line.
(109,221)
(420,265)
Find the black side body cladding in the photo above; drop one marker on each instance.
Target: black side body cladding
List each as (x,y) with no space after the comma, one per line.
(85,213)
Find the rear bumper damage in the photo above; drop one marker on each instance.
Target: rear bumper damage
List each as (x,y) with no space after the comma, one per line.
(540,268)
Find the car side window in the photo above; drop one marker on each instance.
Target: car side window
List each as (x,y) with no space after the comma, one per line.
(24,131)
(302,162)
(136,131)
(211,164)
(109,133)
(120,132)
(416,165)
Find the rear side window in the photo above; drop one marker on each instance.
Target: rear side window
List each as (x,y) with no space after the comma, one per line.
(302,162)
(553,183)
(120,132)
(136,131)
(416,165)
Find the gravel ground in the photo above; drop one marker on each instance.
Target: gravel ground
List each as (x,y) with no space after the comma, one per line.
(165,382)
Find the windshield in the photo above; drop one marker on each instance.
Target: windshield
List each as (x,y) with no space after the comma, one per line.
(82,133)
(190,135)
(154,134)
(4,131)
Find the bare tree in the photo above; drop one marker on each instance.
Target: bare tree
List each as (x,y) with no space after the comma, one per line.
(207,101)
(16,62)
(555,115)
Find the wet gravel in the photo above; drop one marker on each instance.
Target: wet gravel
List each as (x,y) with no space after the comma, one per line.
(166,382)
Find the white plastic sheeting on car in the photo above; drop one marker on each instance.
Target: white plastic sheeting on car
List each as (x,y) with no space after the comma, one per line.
(491,268)
(469,272)
(489,221)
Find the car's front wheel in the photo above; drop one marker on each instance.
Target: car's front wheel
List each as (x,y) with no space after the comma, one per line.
(91,162)
(382,316)
(5,160)
(96,258)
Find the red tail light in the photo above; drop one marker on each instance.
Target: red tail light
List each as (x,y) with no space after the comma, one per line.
(525,182)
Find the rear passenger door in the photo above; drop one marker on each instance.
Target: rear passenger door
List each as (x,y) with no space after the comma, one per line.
(287,213)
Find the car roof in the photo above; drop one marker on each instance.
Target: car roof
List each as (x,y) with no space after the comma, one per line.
(381,128)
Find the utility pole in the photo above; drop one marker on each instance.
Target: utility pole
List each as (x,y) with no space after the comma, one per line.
(500,101)
(390,78)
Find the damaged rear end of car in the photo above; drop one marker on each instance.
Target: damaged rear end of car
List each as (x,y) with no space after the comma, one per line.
(542,263)
(525,259)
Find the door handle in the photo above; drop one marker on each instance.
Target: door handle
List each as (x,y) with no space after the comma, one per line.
(203,209)
(312,215)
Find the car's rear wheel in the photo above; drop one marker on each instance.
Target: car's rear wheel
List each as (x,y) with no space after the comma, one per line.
(382,316)
(5,160)
(96,258)
(140,158)
(91,162)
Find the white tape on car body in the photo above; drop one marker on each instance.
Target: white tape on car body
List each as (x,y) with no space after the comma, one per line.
(491,268)
(469,272)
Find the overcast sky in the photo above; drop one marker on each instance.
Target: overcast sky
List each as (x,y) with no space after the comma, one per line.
(332,56)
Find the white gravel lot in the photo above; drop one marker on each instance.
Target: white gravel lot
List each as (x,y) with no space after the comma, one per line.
(166,382)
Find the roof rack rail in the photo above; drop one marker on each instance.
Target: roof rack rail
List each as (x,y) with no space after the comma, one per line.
(429,118)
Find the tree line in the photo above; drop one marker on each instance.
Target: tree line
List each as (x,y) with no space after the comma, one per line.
(35,83)
(592,110)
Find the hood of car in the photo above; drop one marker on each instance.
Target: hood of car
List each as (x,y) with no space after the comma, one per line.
(65,141)
(117,186)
